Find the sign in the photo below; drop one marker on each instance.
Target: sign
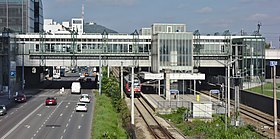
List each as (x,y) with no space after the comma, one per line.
(210,57)
(215,91)
(272,63)
(13,66)
(13,73)
(33,70)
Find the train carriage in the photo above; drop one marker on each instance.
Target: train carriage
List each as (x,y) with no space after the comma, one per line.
(137,86)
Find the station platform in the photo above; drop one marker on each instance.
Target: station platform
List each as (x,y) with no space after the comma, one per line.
(161,105)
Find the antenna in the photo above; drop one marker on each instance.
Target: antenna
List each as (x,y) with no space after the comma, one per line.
(259,27)
(83,9)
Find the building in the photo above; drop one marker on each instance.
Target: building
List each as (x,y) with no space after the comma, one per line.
(172,48)
(21,15)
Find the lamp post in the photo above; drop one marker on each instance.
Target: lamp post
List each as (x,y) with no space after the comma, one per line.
(100,74)
(22,70)
(132,95)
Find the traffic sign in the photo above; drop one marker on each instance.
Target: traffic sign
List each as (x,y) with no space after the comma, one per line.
(13,73)
(272,63)
(215,91)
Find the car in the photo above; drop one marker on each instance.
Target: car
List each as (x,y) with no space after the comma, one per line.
(86,74)
(56,76)
(51,101)
(82,77)
(20,98)
(84,95)
(81,107)
(85,99)
(88,79)
(3,110)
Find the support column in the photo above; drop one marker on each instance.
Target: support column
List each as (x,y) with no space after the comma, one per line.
(108,70)
(159,87)
(122,80)
(194,87)
(167,84)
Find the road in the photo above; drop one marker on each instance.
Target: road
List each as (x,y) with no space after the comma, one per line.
(34,120)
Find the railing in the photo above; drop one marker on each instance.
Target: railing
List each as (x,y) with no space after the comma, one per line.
(173,104)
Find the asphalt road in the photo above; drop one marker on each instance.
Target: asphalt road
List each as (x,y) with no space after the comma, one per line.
(34,120)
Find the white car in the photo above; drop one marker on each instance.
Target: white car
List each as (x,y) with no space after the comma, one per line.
(56,76)
(84,98)
(81,107)
(84,95)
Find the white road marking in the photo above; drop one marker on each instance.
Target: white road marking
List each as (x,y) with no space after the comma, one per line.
(11,113)
(39,114)
(61,114)
(64,131)
(69,120)
(79,127)
(82,115)
(27,126)
(66,106)
(16,126)
(61,137)
(67,125)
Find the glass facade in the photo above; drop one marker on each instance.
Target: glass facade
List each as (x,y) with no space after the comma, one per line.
(21,15)
(172,51)
(252,62)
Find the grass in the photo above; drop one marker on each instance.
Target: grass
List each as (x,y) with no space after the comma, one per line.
(266,90)
(106,121)
(214,129)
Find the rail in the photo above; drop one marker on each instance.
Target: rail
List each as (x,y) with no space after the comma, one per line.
(265,119)
(153,125)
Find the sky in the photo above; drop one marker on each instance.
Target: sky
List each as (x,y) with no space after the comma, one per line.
(207,16)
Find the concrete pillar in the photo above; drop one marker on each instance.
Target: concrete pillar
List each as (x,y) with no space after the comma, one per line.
(167,84)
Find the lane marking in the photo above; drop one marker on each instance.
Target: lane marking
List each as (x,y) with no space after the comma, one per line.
(61,114)
(67,125)
(16,126)
(61,137)
(79,127)
(27,126)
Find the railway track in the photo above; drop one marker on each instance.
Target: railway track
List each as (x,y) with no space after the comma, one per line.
(152,123)
(265,121)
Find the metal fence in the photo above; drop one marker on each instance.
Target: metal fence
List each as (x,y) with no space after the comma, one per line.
(173,104)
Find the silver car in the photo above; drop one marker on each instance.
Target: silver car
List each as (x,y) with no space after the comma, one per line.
(3,110)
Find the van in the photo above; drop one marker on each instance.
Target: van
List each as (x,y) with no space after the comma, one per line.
(76,88)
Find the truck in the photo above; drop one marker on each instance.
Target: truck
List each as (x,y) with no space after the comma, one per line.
(76,88)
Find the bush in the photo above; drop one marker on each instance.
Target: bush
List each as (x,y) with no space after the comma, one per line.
(214,129)
(111,89)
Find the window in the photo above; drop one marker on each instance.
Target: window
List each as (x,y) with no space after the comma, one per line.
(169,29)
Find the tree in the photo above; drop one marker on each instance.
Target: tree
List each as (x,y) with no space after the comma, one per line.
(267,45)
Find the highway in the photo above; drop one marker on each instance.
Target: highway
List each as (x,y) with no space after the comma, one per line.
(34,120)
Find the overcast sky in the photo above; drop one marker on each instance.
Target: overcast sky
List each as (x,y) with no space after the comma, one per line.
(208,16)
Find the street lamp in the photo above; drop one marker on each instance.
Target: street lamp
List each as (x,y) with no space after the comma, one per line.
(22,69)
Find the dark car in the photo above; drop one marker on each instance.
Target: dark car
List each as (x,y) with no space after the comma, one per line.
(3,110)
(20,98)
(51,101)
